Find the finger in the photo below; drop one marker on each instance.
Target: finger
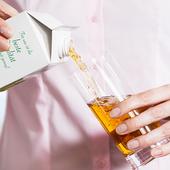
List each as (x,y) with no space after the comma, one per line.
(151,138)
(4,44)
(5,30)
(147,117)
(160,151)
(148,98)
(6,11)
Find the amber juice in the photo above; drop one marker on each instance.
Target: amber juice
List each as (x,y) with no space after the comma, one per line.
(102,107)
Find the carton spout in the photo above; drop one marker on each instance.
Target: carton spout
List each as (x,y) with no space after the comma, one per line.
(61,43)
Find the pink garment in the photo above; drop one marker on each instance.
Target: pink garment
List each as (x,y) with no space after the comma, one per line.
(48,126)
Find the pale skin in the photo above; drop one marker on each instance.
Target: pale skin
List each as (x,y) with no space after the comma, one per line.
(6,11)
(159,98)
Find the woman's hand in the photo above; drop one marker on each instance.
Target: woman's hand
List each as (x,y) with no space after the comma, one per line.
(159,99)
(6,11)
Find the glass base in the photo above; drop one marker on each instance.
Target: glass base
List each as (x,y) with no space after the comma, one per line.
(139,158)
(143,156)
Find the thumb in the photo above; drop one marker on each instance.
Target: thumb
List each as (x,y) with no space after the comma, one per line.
(6,11)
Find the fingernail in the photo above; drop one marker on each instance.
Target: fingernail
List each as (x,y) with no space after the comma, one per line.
(115,112)
(122,128)
(133,144)
(7,32)
(156,152)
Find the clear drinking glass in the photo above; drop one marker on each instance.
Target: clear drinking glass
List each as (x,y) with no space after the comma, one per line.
(102,90)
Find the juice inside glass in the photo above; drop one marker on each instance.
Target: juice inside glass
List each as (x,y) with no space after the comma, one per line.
(102,107)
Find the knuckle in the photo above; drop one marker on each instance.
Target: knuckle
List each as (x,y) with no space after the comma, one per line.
(166,108)
(136,122)
(131,102)
(144,141)
(131,124)
(124,106)
(143,98)
(155,113)
(4,47)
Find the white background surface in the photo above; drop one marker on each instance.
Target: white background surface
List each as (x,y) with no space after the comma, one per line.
(2,107)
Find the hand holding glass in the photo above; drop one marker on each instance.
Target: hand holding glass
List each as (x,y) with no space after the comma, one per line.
(102,90)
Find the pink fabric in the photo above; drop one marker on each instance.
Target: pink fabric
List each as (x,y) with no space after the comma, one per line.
(48,126)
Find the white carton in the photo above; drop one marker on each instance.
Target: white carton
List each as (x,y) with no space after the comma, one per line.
(38,41)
